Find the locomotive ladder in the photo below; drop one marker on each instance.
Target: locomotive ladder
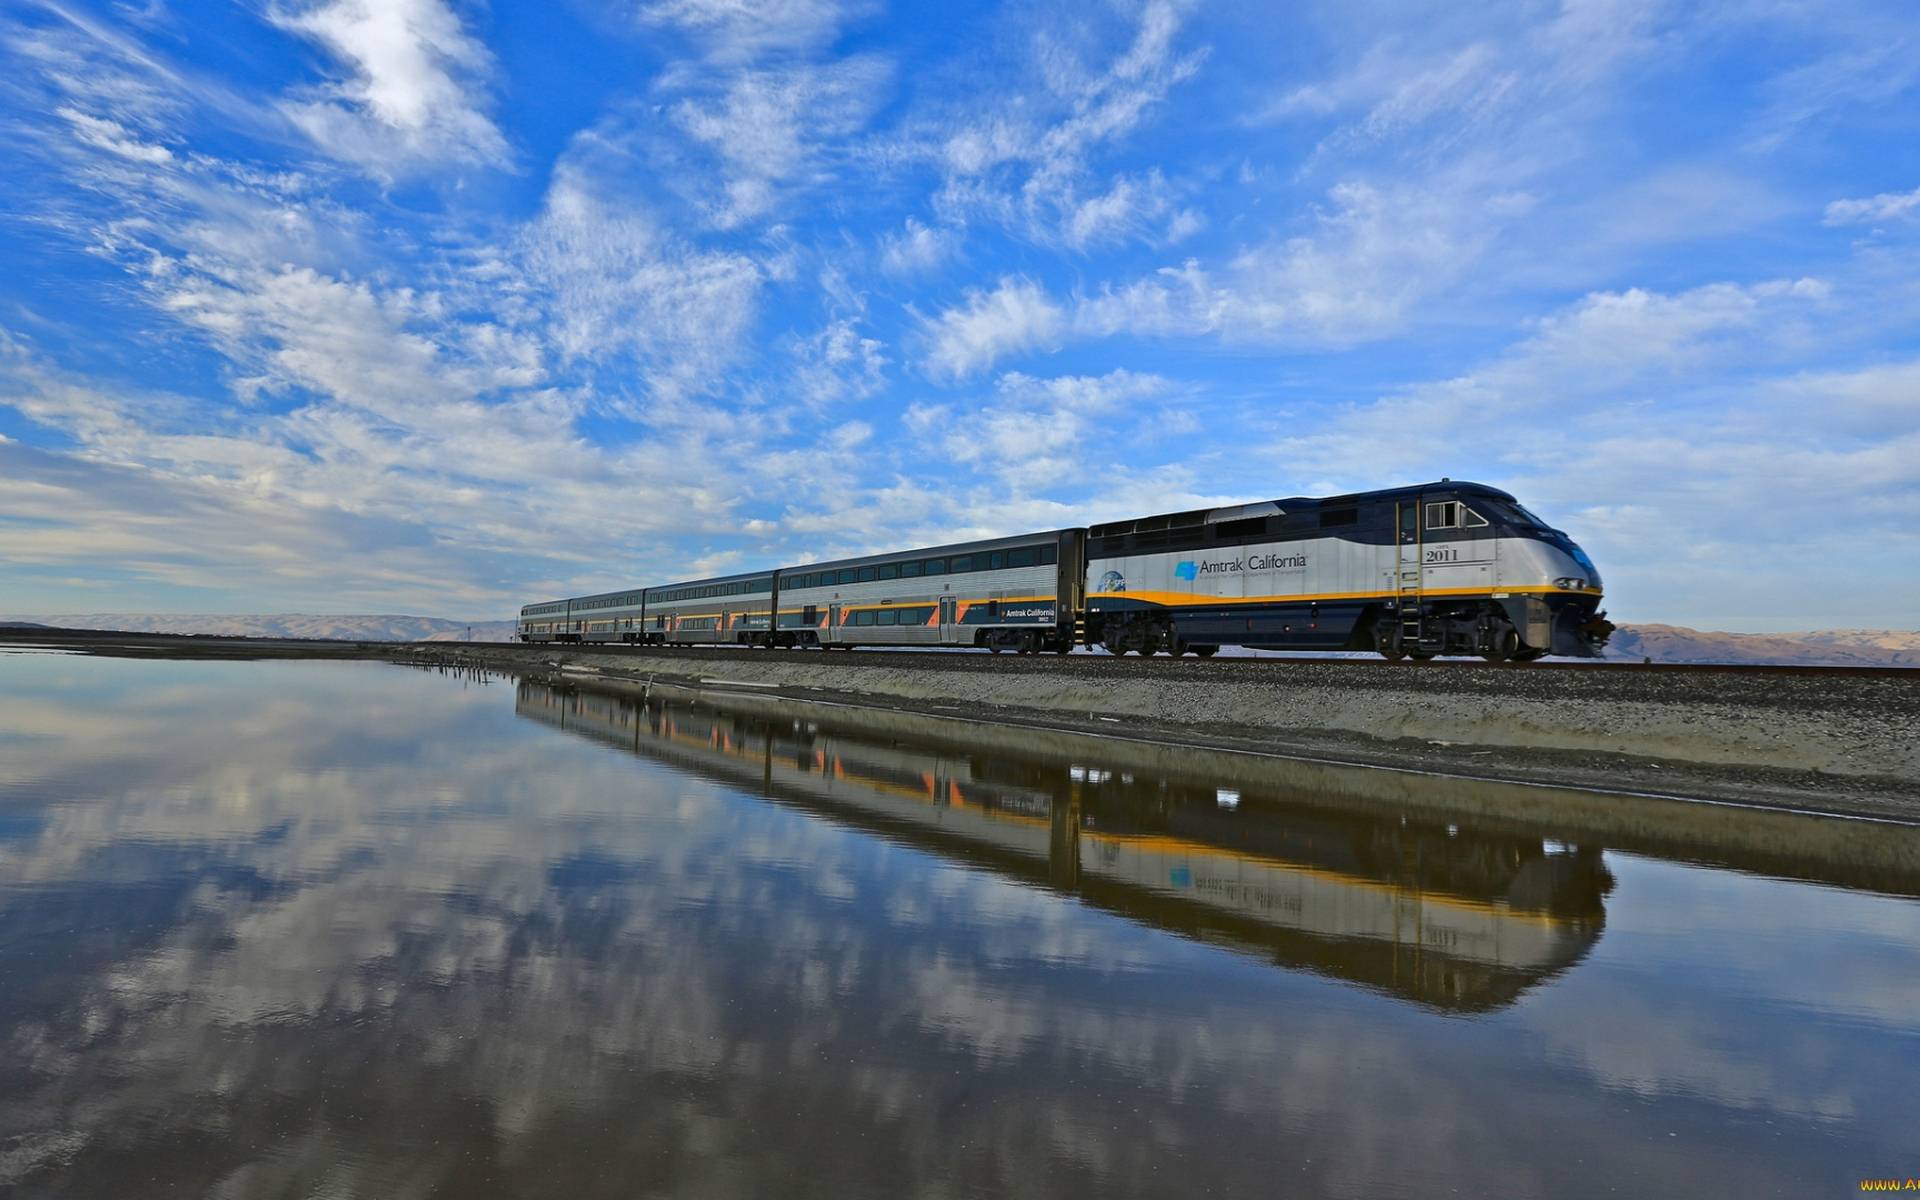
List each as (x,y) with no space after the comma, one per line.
(1407,598)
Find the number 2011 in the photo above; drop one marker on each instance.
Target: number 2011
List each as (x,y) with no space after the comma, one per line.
(1434,556)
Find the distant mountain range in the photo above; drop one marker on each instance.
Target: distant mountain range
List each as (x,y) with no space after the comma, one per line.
(1661,643)
(1830,647)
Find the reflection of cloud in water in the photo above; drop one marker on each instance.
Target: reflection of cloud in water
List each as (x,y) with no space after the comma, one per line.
(386,940)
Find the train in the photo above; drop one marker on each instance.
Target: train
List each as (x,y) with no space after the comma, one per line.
(1445,568)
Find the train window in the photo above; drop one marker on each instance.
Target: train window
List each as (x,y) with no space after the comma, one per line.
(1022,557)
(846,575)
(865,575)
(993,610)
(996,560)
(912,570)
(936,566)
(889,570)
(884,617)
(1049,554)
(1445,515)
(1339,516)
(1471,519)
(962,563)
(865,618)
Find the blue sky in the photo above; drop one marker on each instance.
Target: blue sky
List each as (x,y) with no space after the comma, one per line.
(430,306)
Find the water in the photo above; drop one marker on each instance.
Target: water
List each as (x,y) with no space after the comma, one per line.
(343,929)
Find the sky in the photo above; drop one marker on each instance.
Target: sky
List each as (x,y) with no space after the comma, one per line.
(439,307)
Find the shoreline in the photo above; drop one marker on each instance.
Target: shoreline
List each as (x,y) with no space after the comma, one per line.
(1833,746)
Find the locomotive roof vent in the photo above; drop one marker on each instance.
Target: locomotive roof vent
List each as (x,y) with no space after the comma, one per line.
(1265,508)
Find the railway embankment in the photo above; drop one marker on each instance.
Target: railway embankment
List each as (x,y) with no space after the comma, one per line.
(1840,742)
(1835,741)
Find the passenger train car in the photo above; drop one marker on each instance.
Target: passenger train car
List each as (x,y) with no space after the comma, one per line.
(1441,568)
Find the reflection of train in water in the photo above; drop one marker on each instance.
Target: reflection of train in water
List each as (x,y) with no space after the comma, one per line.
(1431,912)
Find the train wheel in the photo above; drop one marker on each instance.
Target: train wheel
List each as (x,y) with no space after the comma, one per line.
(1206,651)
(1420,655)
(1503,643)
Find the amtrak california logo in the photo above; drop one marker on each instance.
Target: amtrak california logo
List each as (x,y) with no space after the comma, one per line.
(1113,581)
(1194,569)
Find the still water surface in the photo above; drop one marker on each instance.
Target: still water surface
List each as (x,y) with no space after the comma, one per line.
(343,929)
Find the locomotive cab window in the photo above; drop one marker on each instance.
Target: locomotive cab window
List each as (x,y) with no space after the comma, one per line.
(1451,514)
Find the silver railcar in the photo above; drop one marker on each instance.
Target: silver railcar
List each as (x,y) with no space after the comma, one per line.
(1017,593)
(731,610)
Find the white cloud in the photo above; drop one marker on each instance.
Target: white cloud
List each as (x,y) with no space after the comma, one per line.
(1024,161)
(839,363)
(1033,432)
(620,285)
(1133,208)
(916,248)
(1653,426)
(737,30)
(1369,261)
(1401,92)
(1015,316)
(1887,206)
(767,126)
(409,93)
(112,136)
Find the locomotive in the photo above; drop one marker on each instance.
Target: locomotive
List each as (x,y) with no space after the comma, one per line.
(1443,568)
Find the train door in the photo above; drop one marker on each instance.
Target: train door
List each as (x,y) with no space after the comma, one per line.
(1406,577)
(1407,573)
(833,624)
(949,619)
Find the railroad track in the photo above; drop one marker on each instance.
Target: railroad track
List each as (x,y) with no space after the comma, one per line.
(932,658)
(891,657)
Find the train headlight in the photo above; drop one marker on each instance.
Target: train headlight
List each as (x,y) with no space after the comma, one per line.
(1570,583)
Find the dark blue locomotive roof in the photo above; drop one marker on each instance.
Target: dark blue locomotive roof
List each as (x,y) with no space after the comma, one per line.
(1297,504)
